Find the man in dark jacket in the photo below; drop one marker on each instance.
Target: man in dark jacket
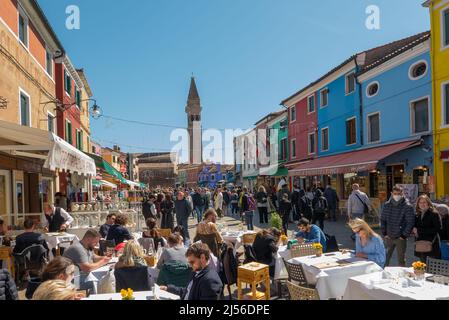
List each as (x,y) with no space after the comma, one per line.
(397,222)
(148,207)
(332,201)
(295,202)
(198,204)
(320,207)
(183,210)
(29,237)
(305,206)
(8,289)
(205,283)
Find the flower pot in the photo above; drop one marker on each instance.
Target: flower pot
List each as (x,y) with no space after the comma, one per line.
(319,253)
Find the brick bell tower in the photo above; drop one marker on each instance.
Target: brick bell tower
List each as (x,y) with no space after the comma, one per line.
(193,110)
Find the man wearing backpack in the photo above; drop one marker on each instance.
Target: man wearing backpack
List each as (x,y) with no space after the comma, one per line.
(319,204)
(249,205)
(305,205)
(358,205)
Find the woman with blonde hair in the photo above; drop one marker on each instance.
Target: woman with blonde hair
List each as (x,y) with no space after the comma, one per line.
(55,290)
(262,204)
(426,230)
(133,256)
(368,244)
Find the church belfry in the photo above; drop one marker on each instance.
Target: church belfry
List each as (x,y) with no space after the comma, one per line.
(193,110)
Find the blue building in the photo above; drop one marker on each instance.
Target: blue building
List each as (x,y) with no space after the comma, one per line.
(397,107)
(213,174)
(373,121)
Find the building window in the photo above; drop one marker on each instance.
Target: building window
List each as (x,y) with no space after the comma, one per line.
(351,136)
(25,109)
(212,177)
(49,63)
(374,128)
(324,97)
(51,122)
(325,139)
(372,89)
(94,150)
(68,132)
(446,104)
(78,98)
(67,83)
(446,27)
(293,114)
(283,151)
(311,143)
(350,83)
(23,28)
(420,116)
(79,139)
(311,104)
(293,146)
(418,70)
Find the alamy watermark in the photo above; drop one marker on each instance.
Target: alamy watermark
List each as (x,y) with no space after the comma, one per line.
(372,22)
(73,21)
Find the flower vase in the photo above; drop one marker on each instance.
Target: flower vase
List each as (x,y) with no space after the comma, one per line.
(319,253)
(419,274)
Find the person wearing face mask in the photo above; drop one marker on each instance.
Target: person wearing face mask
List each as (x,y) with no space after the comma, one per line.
(397,221)
(426,230)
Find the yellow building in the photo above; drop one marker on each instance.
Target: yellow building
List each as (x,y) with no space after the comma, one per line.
(439,17)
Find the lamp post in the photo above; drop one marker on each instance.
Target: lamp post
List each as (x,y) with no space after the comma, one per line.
(95,111)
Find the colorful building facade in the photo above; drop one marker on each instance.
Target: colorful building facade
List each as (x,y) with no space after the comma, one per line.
(439,17)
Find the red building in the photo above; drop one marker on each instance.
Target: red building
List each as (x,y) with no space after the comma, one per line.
(68,92)
(302,129)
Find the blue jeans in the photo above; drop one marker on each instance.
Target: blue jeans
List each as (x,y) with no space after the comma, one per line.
(249,215)
(184,222)
(199,213)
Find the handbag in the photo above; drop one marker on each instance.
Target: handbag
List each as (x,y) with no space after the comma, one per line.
(423,246)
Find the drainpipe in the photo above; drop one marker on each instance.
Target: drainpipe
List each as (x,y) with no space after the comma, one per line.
(360,104)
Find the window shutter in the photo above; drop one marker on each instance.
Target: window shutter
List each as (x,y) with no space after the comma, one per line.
(446,107)
(446,28)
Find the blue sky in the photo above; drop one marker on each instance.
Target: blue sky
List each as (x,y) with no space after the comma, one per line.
(246,55)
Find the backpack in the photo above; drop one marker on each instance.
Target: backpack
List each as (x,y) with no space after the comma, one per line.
(320,207)
(308,209)
(252,204)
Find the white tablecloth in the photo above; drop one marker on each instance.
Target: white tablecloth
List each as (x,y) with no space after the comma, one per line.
(331,282)
(280,272)
(99,275)
(54,240)
(138,296)
(373,287)
(236,237)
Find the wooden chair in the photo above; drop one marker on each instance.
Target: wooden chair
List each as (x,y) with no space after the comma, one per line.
(165,233)
(302,293)
(438,267)
(5,254)
(253,274)
(248,238)
(302,250)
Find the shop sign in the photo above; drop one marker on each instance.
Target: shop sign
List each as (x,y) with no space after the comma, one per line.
(410,191)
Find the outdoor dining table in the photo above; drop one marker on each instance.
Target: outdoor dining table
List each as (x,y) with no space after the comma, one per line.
(56,240)
(374,286)
(98,275)
(236,237)
(331,272)
(142,295)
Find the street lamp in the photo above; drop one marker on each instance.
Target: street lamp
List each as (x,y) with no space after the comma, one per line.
(95,110)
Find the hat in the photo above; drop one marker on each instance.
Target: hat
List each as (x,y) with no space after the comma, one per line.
(120,246)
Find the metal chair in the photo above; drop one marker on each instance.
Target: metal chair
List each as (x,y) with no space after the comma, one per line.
(296,273)
(30,261)
(148,245)
(302,293)
(302,250)
(436,266)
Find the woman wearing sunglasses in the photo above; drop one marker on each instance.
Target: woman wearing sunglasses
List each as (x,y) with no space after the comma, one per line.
(368,244)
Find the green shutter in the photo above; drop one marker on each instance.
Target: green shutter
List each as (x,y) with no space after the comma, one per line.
(446,107)
(446,28)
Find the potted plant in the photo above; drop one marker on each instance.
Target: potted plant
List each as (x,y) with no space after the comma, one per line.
(127,294)
(419,268)
(318,248)
(276,221)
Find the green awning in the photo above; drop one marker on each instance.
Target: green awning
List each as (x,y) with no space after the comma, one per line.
(96,183)
(102,164)
(250,178)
